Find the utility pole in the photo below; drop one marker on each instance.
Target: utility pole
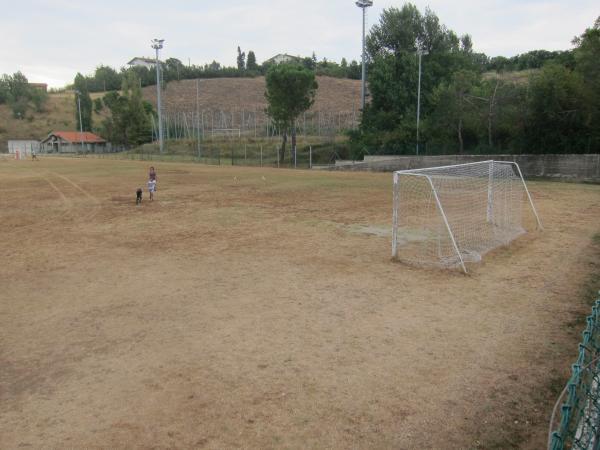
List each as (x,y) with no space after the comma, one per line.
(157,44)
(198,114)
(363,4)
(80,122)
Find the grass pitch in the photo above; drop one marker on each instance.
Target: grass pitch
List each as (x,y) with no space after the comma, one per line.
(245,307)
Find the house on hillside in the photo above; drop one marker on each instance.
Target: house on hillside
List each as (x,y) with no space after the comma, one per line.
(73,142)
(143,62)
(282,58)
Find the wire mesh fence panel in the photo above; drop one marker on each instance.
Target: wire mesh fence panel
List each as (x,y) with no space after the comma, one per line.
(208,122)
(577,426)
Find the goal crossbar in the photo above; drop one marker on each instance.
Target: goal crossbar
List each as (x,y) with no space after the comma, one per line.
(441,230)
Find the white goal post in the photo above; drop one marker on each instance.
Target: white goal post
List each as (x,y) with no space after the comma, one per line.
(446,216)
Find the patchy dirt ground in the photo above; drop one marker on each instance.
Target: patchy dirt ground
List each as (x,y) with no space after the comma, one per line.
(244,308)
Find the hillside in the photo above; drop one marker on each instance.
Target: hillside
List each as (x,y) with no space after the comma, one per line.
(226,94)
(58,114)
(334,94)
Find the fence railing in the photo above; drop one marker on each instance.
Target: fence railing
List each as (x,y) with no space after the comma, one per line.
(236,154)
(577,426)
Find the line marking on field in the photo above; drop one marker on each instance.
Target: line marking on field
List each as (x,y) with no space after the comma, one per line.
(76,186)
(62,195)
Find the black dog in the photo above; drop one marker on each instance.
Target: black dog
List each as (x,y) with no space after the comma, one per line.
(138,198)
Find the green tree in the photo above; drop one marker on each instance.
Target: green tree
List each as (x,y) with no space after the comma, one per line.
(587,65)
(4,90)
(173,69)
(556,112)
(98,105)
(241,59)
(19,107)
(213,66)
(18,86)
(129,123)
(251,61)
(38,97)
(388,123)
(309,63)
(455,107)
(291,90)
(17,93)
(106,78)
(80,86)
(354,71)
(138,128)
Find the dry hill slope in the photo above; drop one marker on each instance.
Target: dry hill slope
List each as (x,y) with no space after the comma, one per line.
(334,94)
(58,115)
(227,94)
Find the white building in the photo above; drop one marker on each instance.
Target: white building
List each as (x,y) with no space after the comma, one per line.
(143,62)
(74,142)
(283,58)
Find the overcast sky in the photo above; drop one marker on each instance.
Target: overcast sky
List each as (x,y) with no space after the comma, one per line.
(51,40)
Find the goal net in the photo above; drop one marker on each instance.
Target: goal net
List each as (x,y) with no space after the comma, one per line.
(446,216)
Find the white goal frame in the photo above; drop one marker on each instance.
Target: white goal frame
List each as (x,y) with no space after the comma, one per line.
(428,173)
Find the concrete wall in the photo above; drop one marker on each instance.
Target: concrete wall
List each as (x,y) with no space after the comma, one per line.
(23,146)
(575,167)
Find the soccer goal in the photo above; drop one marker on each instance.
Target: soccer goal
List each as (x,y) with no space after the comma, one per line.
(447,216)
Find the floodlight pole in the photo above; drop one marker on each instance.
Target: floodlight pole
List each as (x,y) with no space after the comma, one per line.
(157,44)
(78,93)
(363,4)
(420,52)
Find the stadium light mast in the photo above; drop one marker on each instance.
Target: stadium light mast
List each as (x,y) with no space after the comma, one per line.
(78,93)
(363,4)
(420,51)
(157,44)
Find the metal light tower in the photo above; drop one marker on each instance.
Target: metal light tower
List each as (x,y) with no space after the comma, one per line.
(157,44)
(78,93)
(363,4)
(420,52)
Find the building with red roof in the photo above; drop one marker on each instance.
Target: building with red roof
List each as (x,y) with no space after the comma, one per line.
(74,142)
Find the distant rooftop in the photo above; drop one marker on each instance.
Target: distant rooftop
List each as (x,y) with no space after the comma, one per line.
(76,137)
(142,60)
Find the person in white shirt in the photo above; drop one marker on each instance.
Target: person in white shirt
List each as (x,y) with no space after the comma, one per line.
(151,188)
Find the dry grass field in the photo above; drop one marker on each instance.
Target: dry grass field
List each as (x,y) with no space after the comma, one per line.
(248,308)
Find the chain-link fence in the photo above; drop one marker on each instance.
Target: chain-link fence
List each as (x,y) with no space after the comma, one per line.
(208,122)
(577,424)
